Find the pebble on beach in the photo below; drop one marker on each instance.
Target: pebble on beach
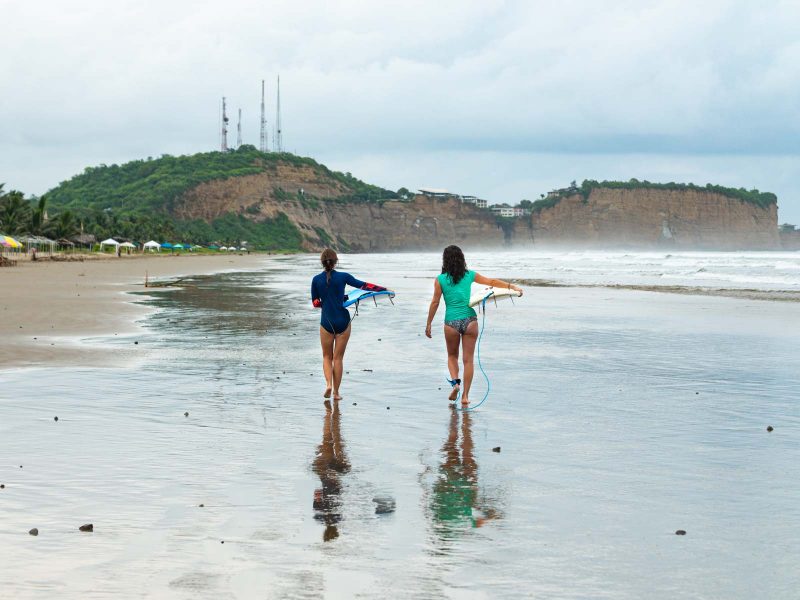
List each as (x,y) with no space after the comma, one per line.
(2,486)
(136,343)
(355,403)
(496,449)
(384,505)
(55,418)
(769,428)
(87,527)
(186,414)
(202,505)
(680,532)
(388,408)
(34,531)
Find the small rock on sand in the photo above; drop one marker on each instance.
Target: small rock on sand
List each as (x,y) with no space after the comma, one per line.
(222,541)
(496,449)
(769,428)
(680,532)
(55,418)
(186,414)
(384,505)
(34,531)
(202,505)
(2,486)
(136,343)
(388,408)
(87,527)
(355,403)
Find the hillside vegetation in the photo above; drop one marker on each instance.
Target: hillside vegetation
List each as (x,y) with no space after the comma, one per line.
(135,200)
(762,199)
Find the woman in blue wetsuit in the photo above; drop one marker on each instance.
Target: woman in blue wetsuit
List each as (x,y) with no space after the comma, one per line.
(327,293)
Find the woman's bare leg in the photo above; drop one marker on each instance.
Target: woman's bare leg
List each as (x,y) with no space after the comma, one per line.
(452,338)
(339,348)
(468,341)
(326,341)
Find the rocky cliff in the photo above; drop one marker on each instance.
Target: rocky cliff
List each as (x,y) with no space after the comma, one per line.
(317,206)
(648,218)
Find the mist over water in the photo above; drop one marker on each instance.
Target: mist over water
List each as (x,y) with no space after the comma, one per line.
(622,416)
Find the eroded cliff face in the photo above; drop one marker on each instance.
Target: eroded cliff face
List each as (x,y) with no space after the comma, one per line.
(648,218)
(641,218)
(420,224)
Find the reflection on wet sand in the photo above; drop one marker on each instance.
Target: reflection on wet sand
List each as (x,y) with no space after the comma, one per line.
(330,464)
(457,502)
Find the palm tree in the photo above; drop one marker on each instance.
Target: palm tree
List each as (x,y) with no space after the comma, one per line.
(38,216)
(14,212)
(64,225)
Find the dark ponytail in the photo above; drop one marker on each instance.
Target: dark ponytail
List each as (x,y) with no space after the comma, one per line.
(328,259)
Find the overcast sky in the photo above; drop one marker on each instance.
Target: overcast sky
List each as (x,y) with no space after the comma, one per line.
(500,99)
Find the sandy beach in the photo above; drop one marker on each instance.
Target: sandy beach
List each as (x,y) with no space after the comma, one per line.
(51,310)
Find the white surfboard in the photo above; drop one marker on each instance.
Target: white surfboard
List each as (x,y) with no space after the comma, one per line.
(492,294)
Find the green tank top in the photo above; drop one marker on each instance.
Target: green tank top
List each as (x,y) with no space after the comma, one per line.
(456,296)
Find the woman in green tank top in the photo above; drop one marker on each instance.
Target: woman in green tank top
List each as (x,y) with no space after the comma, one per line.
(460,320)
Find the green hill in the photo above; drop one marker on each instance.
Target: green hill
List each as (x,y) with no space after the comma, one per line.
(136,200)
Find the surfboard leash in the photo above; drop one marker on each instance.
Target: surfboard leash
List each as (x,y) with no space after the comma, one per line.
(480,365)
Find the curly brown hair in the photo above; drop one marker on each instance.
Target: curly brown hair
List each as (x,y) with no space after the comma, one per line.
(454,263)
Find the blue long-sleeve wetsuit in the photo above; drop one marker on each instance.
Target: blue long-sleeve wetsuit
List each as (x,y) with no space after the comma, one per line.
(329,296)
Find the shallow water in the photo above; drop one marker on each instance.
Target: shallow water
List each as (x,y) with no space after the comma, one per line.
(621,416)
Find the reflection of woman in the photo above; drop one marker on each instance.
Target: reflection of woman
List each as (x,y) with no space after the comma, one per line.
(327,293)
(460,320)
(330,464)
(455,493)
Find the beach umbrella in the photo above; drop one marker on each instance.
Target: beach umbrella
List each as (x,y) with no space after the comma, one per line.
(127,245)
(223,247)
(181,246)
(8,242)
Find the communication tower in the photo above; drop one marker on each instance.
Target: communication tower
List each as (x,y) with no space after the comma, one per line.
(223,137)
(263,143)
(239,130)
(278,132)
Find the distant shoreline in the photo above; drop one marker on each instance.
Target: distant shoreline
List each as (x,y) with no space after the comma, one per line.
(741,293)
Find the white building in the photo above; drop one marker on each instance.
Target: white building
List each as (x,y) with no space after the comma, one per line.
(503,211)
(479,202)
(436,193)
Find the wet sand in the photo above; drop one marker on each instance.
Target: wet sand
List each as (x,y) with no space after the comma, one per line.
(50,312)
(622,417)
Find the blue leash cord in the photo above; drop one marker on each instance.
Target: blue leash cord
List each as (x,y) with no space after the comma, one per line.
(480,366)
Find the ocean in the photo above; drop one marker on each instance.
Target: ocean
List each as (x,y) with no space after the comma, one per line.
(615,418)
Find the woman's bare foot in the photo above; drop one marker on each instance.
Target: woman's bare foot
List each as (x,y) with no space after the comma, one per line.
(454,393)
(336,395)
(327,393)
(464,401)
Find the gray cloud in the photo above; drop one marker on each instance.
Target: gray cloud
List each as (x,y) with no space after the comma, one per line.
(701,92)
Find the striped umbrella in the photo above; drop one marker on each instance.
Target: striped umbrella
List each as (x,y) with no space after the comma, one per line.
(9,242)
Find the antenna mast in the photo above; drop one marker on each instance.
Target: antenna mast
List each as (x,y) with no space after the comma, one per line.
(263,146)
(278,132)
(223,138)
(239,130)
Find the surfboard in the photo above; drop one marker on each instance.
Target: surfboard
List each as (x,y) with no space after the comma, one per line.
(492,294)
(358,296)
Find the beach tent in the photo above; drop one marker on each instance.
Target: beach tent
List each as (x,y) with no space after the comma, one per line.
(109,242)
(223,248)
(127,245)
(213,247)
(151,245)
(166,245)
(232,249)
(178,246)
